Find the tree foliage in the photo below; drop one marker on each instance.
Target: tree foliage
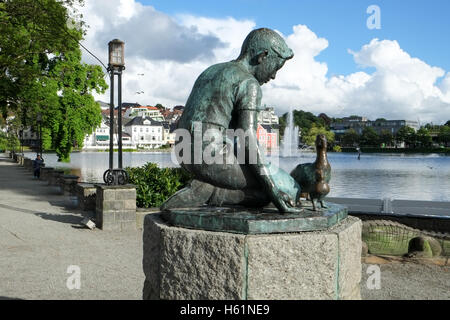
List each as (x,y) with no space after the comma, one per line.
(423,138)
(406,135)
(369,137)
(444,135)
(310,137)
(351,138)
(8,142)
(41,72)
(386,137)
(302,119)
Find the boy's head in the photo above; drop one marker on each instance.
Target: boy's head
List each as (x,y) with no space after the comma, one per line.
(267,52)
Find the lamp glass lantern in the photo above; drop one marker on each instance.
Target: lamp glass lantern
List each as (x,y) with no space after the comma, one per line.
(116,53)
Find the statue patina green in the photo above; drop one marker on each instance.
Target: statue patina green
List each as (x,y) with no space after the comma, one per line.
(225,97)
(314,178)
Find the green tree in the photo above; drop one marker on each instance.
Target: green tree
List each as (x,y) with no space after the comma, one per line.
(407,135)
(444,135)
(31,30)
(369,137)
(386,137)
(423,138)
(350,138)
(310,137)
(42,72)
(8,141)
(302,119)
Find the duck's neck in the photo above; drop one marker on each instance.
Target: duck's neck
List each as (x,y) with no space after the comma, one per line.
(322,156)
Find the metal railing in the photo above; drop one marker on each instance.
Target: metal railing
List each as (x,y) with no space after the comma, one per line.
(395,208)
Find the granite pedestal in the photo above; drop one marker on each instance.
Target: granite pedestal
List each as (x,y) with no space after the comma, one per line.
(254,259)
(115,208)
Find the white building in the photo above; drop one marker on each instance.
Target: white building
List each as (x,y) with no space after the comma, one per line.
(99,139)
(268,117)
(147,112)
(169,133)
(146,132)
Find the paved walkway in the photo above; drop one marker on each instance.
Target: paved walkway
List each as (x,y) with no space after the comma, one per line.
(41,236)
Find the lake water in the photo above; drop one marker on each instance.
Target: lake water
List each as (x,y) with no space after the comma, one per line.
(375,176)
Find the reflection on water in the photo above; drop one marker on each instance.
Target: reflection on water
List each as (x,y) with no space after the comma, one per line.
(376,176)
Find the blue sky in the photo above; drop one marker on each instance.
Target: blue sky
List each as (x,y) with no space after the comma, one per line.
(421,27)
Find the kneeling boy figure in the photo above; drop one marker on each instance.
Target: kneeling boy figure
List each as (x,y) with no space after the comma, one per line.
(227,96)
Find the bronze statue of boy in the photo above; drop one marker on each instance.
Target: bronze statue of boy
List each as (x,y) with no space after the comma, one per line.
(227,96)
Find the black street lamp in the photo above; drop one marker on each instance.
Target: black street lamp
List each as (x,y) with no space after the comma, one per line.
(116,64)
(39,121)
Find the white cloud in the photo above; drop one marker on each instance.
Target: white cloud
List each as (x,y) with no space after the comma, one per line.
(401,86)
(172,51)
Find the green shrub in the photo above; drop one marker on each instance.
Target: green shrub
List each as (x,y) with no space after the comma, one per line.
(337,149)
(155,185)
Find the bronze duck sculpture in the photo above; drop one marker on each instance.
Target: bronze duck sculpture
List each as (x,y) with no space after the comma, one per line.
(314,178)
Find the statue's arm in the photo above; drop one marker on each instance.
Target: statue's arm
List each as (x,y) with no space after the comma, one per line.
(247,113)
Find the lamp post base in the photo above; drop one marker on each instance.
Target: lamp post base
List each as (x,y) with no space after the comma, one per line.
(113,177)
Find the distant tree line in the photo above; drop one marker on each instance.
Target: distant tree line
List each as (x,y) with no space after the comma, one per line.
(311,125)
(423,138)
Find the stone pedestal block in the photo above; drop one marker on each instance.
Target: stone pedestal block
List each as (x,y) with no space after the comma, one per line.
(192,264)
(20,159)
(28,163)
(46,173)
(115,207)
(86,195)
(53,179)
(68,183)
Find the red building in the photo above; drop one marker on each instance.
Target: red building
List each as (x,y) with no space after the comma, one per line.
(267,137)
